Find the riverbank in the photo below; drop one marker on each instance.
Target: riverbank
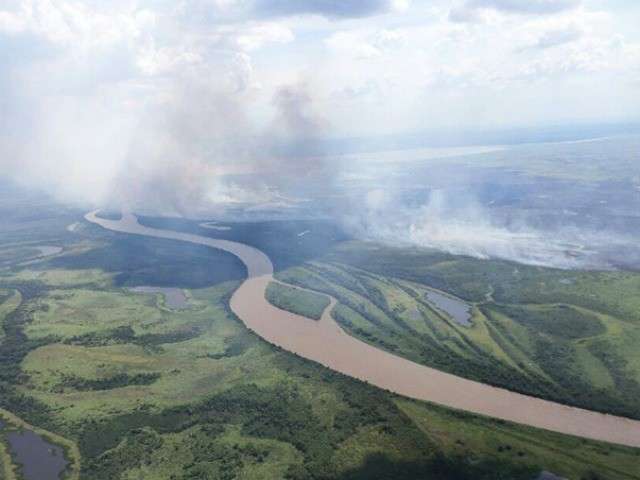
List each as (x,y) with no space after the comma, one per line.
(326,343)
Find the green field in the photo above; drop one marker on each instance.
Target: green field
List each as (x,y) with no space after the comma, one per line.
(204,416)
(296,300)
(564,335)
(9,301)
(148,393)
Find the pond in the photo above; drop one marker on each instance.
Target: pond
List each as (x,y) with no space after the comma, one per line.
(37,458)
(174,298)
(459,311)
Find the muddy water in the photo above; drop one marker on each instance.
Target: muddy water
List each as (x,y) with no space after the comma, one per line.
(326,343)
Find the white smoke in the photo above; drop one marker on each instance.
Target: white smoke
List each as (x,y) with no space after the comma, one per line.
(464,227)
(172,154)
(146,108)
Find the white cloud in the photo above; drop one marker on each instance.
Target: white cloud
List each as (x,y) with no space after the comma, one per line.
(327,8)
(92,70)
(554,38)
(73,24)
(526,7)
(366,44)
(254,36)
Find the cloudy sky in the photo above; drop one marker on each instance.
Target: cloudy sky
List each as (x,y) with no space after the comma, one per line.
(87,85)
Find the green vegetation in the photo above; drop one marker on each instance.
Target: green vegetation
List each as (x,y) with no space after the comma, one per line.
(9,301)
(147,393)
(136,261)
(493,438)
(225,404)
(280,240)
(555,320)
(538,331)
(296,300)
(116,381)
(7,469)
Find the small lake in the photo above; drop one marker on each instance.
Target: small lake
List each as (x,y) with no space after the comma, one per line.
(174,297)
(458,310)
(37,458)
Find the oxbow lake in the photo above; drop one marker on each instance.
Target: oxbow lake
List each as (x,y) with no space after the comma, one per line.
(459,311)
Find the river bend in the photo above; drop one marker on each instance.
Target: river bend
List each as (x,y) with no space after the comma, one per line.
(325,342)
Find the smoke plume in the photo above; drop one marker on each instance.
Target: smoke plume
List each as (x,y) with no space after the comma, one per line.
(461,226)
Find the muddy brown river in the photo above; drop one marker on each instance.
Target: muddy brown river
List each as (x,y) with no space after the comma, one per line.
(326,343)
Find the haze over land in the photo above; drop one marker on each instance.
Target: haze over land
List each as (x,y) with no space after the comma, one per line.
(319,239)
(190,109)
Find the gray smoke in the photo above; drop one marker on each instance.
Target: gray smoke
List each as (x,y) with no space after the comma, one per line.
(462,226)
(106,105)
(194,152)
(182,158)
(180,150)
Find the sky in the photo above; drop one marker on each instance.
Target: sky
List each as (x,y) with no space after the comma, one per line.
(113,99)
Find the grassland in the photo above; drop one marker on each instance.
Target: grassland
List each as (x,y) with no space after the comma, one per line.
(9,301)
(148,393)
(226,405)
(566,336)
(483,438)
(7,468)
(296,300)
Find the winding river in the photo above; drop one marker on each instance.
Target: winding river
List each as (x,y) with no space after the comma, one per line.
(326,343)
